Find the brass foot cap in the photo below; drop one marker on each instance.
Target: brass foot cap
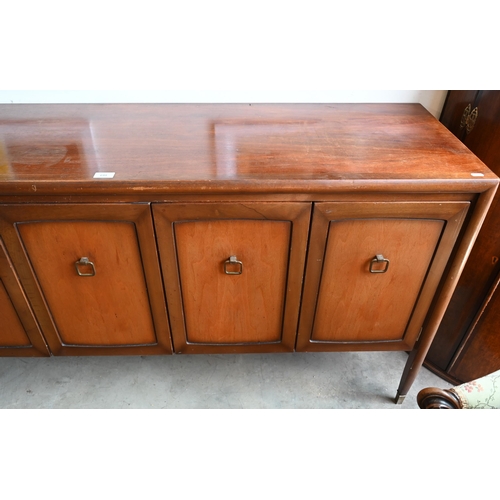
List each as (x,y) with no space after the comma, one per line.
(400,398)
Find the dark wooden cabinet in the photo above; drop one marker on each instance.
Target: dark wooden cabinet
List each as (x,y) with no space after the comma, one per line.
(152,229)
(467,344)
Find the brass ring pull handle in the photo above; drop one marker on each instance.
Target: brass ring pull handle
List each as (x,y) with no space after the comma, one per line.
(231,262)
(469,118)
(84,261)
(465,116)
(377,260)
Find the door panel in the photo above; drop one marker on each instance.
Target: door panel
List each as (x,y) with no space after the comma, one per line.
(388,298)
(109,308)
(236,308)
(212,311)
(19,332)
(347,304)
(11,329)
(479,353)
(110,303)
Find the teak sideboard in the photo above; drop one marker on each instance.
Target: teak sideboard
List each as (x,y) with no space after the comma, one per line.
(160,228)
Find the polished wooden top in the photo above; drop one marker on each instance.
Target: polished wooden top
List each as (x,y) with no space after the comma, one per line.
(58,148)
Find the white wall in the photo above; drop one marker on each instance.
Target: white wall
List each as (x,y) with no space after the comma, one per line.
(432,100)
(225,51)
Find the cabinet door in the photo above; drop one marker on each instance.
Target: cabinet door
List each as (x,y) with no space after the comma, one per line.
(19,332)
(97,271)
(479,353)
(372,272)
(233,274)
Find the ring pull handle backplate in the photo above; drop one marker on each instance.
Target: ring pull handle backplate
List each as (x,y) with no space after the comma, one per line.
(469,118)
(465,116)
(85,265)
(233,263)
(379,264)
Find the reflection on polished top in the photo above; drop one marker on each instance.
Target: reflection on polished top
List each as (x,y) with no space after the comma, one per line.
(205,146)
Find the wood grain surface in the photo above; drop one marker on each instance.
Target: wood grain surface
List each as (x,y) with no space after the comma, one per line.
(19,331)
(357,305)
(206,148)
(210,311)
(11,329)
(122,307)
(345,307)
(193,180)
(110,308)
(221,308)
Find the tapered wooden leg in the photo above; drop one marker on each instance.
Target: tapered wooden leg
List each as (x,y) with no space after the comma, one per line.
(410,372)
(417,356)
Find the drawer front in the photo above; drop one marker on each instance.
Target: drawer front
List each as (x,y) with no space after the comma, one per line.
(372,272)
(97,270)
(19,332)
(235,282)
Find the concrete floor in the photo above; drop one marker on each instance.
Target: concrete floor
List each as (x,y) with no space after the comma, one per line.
(295,380)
